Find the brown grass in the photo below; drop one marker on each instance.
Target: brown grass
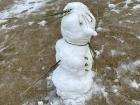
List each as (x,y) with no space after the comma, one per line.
(32,47)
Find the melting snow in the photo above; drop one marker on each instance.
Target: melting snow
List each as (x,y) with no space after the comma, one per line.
(100,29)
(99,52)
(126,3)
(117,53)
(3,21)
(134,84)
(119,39)
(40,103)
(30,23)
(136,7)
(136,102)
(138,37)
(130,67)
(42,23)
(112,6)
(115,89)
(22,6)
(4,27)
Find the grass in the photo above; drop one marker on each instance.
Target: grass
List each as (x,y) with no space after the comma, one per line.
(31,51)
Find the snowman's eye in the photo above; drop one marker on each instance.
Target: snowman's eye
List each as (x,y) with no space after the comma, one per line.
(81,23)
(69,10)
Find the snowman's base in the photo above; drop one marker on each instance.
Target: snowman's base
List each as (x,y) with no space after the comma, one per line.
(75,99)
(72,88)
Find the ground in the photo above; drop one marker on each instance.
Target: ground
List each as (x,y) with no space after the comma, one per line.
(27,49)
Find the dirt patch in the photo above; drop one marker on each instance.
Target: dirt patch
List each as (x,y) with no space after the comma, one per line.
(5,3)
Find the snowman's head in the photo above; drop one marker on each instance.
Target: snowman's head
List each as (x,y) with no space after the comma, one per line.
(75,6)
(78,25)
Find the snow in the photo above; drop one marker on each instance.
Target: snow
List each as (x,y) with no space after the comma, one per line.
(40,103)
(136,102)
(99,29)
(31,23)
(3,21)
(124,68)
(118,39)
(136,7)
(116,53)
(42,23)
(103,92)
(132,66)
(5,27)
(115,89)
(138,37)
(99,52)
(21,7)
(112,6)
(134,84)
(126,3)
(116,11)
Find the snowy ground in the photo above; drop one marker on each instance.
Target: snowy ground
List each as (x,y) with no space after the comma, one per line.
(27,40)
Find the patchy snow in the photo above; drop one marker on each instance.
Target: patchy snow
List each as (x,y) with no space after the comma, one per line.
(42,23)
(134,84)
(119,39)
(115,89)
(116,53)
(132,22)
(40,103)
(100,29)
(3,21)
(130,67)
(112,6)
(116,11)
(138,37)
(5,27)
(21,7)
(126,3)
(136,7)
(136,102)
(30,23)
(99,52)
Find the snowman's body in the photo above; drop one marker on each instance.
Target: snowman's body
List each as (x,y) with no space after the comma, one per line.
(73,78)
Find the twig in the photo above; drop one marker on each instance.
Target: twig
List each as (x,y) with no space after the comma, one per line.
(42,76)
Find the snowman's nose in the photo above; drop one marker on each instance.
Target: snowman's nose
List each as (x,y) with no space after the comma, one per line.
(95,33)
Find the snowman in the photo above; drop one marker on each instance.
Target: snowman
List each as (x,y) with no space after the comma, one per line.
(73,78)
